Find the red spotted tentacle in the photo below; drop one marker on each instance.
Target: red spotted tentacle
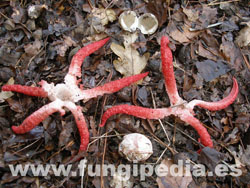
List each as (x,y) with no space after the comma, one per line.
(81,125)
(201,130)
(219,105)
(137,111)
(38,116)
(112,87)
(27,90)
(78,58)
(168,72)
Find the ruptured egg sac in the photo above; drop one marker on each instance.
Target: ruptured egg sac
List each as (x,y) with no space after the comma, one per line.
(128,21)
(135,147)
(147,23)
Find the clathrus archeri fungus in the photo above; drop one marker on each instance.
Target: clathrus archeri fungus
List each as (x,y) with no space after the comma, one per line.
(66,94)
(179,107)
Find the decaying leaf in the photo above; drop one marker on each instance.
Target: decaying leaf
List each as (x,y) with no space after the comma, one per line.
(62,48)
(15,105)
(8,57)
(192,14)
(244,36)
(172,180)
(105,15)
(181,36)
(129,62)
(201,15)
(160,9)
(245,158)
(207,16)
(210,70)
(209,47)
(231,53)
(207,52)
(211,157)
(6,94)
(32,49)
(100,17)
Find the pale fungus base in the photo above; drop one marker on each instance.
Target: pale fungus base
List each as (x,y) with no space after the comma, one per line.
(136,147)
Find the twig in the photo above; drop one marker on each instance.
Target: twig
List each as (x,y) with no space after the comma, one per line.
(90,4)
(223,2)
(112,3)
(34,56)
(27,146)
(103,158)
(159,119)
(98,138)
(245,60)
(173,151)
(185,134)
(158,160)
(209,26)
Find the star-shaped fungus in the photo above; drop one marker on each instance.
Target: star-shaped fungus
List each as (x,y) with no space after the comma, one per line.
(179,107)
(66,94)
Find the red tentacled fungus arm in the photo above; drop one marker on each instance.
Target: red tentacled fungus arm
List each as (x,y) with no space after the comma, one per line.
(168,72)
(65,95)
(219,105)
(140,112)
(182,110)
(38,116)
(201,130)
(81,125)
(77,60)
(113,86)
(27,90)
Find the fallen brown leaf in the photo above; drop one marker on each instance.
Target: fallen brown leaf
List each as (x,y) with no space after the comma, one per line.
(184,36)
(210,70)
(170,181)
(243,38)
(192,14)
(32,49)
(129,62)
(232,54)
(63,47)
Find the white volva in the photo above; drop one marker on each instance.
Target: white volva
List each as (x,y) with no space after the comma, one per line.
(136,147)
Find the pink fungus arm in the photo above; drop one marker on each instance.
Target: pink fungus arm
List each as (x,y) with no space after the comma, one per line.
(78,58)
(27,90)
(219,105)
(137,111)
(82,126)
(168,72)
(113,86)
(37,117)
(201,130)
